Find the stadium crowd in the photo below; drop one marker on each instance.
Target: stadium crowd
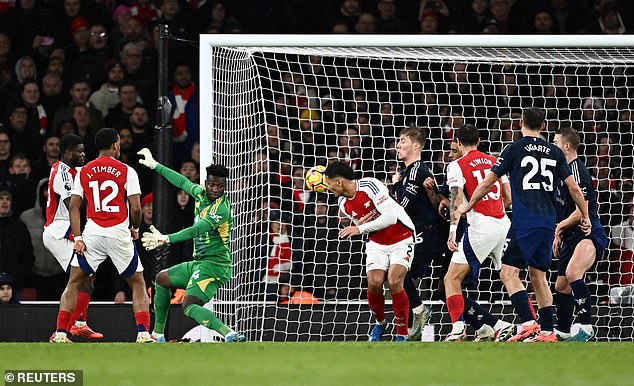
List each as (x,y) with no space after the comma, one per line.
(72,66)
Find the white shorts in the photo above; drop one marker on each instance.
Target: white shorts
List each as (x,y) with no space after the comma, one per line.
(381,257)
(479,242)
(121,251)
(62,249)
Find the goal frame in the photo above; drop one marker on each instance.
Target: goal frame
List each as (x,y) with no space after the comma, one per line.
(208,42)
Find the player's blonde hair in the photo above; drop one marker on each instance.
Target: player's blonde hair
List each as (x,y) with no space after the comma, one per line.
(416,134)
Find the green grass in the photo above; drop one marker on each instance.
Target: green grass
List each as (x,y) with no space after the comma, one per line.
(346,363)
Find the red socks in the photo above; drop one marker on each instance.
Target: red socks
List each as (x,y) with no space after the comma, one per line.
(455,305)
(400,304)
(81,307)
(377,305)
(142,320)
(63,321)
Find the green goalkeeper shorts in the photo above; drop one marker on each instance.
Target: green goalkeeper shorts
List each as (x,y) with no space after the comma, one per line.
(201,279)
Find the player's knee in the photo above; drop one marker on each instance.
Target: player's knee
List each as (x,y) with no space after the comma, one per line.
(573,275)
(162,279)
(189,301)
(561,285)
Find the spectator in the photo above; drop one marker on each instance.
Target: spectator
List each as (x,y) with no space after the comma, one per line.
(500,10)
(348,13)
(79,31)
(609,21)
(185,117)
(51,96)
(7,295)
(141,127)
(213,16)
(42,166)
(86,129)
(49,278)
(279,258)
(119,115)
(477,15)
(137,73)
(79,94)
(16,254)
(544,23)
(128,153)
(387,21)
(434,17)
(144,11)
(107,96)
(622,261)
(365,24)
(90,64)
(183,217)
(6,56)
(5,154)
(189,170)
(20,184)
(147,257)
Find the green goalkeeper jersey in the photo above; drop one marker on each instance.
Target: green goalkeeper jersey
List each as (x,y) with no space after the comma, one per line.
(213,221)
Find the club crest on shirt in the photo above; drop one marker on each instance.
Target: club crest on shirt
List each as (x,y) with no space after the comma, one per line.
(367,204)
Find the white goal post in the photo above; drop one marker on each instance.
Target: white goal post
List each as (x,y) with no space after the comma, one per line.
(271,106)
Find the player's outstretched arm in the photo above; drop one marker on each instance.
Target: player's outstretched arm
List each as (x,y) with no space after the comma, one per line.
(582,204)
(482,189)
(173,177)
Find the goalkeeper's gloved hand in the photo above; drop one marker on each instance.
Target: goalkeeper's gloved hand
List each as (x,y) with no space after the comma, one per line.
(148,160)
(153,239)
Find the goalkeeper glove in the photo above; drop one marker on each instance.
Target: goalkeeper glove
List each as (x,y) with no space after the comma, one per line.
(148,160)
(153,239)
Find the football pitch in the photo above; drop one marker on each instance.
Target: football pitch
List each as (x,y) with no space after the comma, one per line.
(332,363)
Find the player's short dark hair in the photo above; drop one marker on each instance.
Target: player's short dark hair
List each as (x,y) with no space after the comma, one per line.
(533,118)
(569,135)
(105,138)
(416,134)
(467,135)
(217,171)
(68,142)
(339,169)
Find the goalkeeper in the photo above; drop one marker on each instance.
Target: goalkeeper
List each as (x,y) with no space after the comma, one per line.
(212,266)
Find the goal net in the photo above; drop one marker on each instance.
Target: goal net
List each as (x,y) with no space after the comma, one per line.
(274,106)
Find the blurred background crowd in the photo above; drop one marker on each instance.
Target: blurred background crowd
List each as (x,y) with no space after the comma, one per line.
(73,66)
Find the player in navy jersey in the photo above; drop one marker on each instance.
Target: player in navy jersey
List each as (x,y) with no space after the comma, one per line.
(576,251)
(535,169)
(390,247)
(420,203)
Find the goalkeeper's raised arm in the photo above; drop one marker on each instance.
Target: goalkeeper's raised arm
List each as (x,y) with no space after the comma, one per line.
(170,175)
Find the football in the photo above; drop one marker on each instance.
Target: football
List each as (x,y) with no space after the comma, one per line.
(316,179)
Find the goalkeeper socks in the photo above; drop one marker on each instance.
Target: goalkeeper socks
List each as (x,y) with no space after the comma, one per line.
(83,299)
(162,299)
(63,321)
(546,319)
(142,321)
(455,305)
(206,318)
(565,308)
(377,305)
(400,304)
(584,301)
(522,306)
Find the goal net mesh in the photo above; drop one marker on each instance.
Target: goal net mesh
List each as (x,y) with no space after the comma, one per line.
(278,111)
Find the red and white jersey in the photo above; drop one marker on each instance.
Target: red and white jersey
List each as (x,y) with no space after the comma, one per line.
(60,185)
(106,183)
(467,172)
(372,196)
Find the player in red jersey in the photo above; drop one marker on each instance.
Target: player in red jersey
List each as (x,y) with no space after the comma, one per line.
(57,236)
(108,186)
(484,235)
(390,248)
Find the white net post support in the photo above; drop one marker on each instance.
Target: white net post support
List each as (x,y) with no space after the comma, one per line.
(274,105)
